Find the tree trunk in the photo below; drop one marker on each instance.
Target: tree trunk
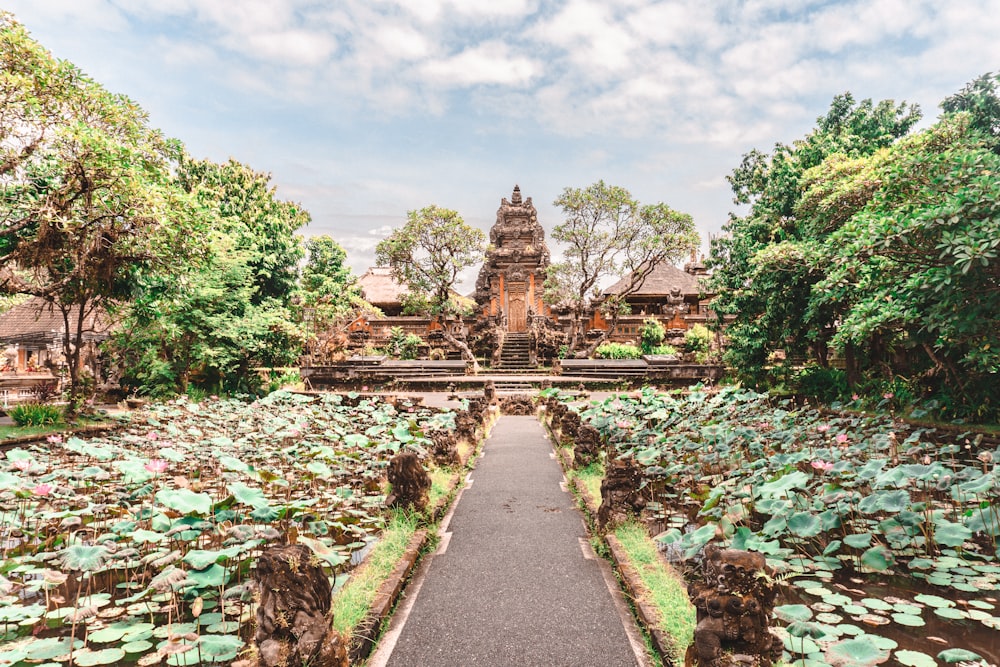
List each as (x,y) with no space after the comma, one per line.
(851,366)
(603,337)
(462,346)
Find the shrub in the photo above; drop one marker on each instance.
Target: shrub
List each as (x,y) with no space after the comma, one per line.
(663,349)
(410,346)
(651,335)
(824,384)
(618,351)
(697,339)
(35,414)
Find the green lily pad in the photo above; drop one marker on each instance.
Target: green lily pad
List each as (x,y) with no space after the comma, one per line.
(219,648)
(85,558)
(933,600)
(211,577)
(804,524)
(793,612)
(958,655)
(878,558)
(138,646)
(857,652)
(909,620)
(914,659)
(185,501)
(47,648)
(875,603)
(950,612)
(106,656)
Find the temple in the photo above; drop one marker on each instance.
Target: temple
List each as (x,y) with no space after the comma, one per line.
(509,287)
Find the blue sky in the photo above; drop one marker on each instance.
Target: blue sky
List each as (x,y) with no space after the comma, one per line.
(364,109)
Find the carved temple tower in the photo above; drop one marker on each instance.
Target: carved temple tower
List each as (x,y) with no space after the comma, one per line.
(509,287)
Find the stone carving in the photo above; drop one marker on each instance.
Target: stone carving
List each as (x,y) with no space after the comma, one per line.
(444,448)
(734,602)
(521,404)
(410,482)
(675,303)
(586,446)
(293,620)
(620,497)
(569,425)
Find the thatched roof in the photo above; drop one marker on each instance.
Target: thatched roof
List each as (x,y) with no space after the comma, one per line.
(664,279)
(37,322)
(379,288)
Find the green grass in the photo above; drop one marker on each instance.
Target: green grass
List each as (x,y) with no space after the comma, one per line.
(354,600)
(665,589)
(440,485)
(11,431)
(589,480)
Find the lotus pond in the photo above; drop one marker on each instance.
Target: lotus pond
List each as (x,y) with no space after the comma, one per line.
(137,547)
(886,534)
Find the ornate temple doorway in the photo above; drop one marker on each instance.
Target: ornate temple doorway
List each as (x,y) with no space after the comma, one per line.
(517,308)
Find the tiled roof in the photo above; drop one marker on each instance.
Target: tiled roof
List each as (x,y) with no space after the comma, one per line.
(36,321)
(660,282)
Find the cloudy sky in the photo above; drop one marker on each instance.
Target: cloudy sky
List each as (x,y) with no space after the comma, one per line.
(364,109)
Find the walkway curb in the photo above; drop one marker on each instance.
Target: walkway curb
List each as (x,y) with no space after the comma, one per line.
(367,631)
(647,615)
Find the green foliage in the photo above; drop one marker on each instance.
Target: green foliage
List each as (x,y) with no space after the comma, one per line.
(327,283)
(217,318)
(651,334)
(404,345)
(618,351)
(607,233)
(824,384)
(663,349)
(35,414)
(883,247)
(428,254)
(698,339)
(88,204)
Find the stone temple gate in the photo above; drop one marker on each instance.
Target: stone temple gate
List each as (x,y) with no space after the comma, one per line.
(509,287)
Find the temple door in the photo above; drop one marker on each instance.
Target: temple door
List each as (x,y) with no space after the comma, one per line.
(517,310)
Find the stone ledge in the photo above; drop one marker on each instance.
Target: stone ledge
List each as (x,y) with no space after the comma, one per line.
(366,633)
(634,588)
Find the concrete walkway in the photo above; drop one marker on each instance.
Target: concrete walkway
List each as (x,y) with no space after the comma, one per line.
(514,580)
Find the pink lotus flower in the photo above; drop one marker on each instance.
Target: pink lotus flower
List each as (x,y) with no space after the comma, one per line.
(213,397)
(43,489)
(887,395)
(152,435)
(825,466)
(823,428)
(54,439)
(364,388)
(855,397)
(841,438)
(21,464)
(621,423)
(156,466)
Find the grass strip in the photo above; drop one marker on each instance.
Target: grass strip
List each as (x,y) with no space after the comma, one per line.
(664,588)
(589,480)
(440,485)
(351,604)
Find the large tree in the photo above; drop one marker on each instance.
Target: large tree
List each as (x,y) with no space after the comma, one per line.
(608,234)
(428,254)
(87,201)
(213,322)
(762,273)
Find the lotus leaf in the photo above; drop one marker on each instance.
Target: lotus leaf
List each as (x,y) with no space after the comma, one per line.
(781,485)
(219,648)
(89,658)
(137,646)
(958,655)
(858,652)
(793,612)
(85,558)
(45,649)
(933,600)
(909,620)
(210,577)
(804,524)
(950,612)
(877,558)
(185,501)
(248,495)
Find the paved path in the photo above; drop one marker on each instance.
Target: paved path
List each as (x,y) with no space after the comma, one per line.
(514,581)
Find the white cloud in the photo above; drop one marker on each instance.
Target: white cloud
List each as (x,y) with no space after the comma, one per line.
(487,63)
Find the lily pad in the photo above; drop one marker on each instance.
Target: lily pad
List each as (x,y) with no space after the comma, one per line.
(793,612)
(933,600)
(857,652)
(185,501)
(909,620)
(914,659)
(105,656)
(958,655)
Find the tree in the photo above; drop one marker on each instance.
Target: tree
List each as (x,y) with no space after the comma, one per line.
(915,265)
(87,199)
(608,234)
(214,321)
(763,268)
(428,254)
(980,98)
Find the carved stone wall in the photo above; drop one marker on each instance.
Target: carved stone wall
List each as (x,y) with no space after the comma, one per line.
(509,287)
